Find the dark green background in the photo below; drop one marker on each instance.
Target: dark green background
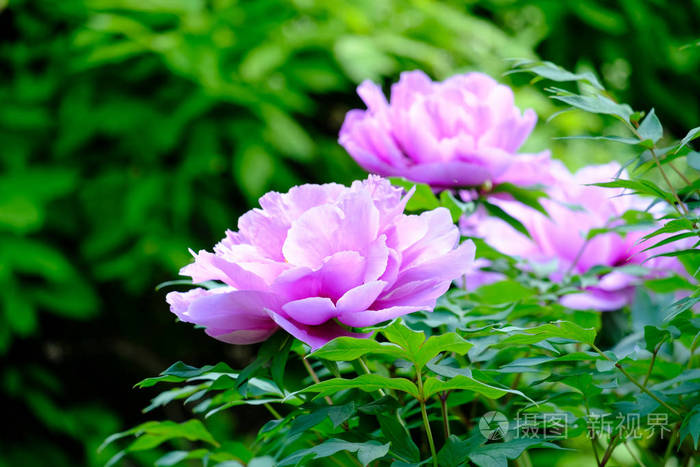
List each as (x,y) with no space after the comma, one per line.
(131,130)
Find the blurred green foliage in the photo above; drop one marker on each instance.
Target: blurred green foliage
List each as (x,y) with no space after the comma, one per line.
(131,130)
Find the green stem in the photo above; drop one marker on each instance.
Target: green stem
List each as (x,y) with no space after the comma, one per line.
(671,442)
(653,360)
(426,422)
(663,173)
(315,378)
(609,450)
(636,383)
(445,415)
(693,346)
(363,368)
(633,454)
(272,410)
(594,444)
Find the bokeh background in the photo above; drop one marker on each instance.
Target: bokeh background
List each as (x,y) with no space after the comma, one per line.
(131,130)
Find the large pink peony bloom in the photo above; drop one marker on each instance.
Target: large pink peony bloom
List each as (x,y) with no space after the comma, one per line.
(461,132)
(574,209)
(322,258)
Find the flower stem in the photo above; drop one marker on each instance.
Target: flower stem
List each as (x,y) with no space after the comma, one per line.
(445,415)
(314,377)
(693,346)
(361,367)
(653,360)
(272,410)
(426,422)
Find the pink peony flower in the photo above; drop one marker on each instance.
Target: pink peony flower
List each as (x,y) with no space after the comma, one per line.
(574,209)
(321,259)
(464,131)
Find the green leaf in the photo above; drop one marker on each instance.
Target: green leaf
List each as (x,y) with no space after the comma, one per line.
(366,383)
(671,239)
(180,371)
(527,196)
(651,128)
(692,252)
(692,134)
(344,349)
(557,329)
(456,207)
(613,138)
(653,336)
(151,434)
(407,338)
(449,342)
(644,187)
(503,292)
(671,226)
(396,432)
(691,427)
(279,362)
(596,104)
(455,452)
(366,452)
(549,70)
(693,159)
(423,198)
(497,454)
(434,385)
(497,211)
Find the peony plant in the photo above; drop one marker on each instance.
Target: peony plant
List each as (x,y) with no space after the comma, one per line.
(389,339)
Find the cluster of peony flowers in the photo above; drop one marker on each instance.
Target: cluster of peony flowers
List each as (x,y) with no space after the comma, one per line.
(321,259)
(575,208)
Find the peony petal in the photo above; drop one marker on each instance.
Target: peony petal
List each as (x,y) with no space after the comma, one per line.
(446,267)
(419,293)
(314,236)
(311,311)
(360,298)
(596,299)
(314,336)
(372,317)
(242,337)
(240,309)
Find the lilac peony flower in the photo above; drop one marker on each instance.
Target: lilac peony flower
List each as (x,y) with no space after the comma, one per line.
(464,131)
(321,259)
(574,209)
